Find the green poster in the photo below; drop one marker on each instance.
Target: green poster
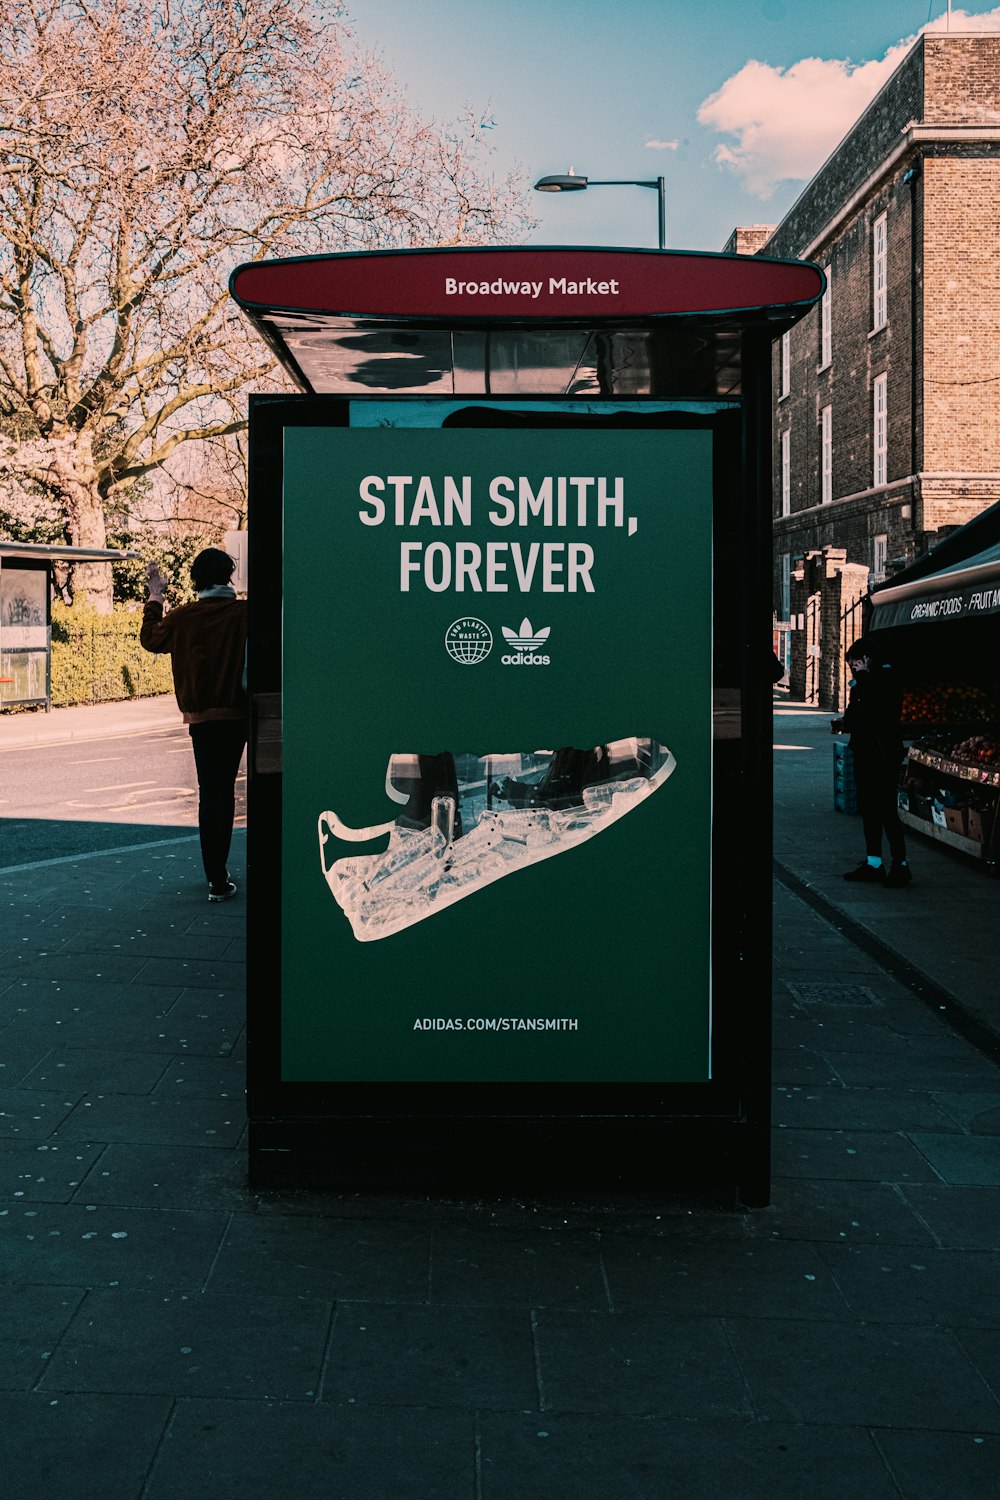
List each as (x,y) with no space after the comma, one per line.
(497,773)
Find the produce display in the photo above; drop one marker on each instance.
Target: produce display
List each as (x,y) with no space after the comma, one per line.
(949,703)
(978,750)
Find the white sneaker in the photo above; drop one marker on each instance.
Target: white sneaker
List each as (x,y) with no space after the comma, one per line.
(465,821)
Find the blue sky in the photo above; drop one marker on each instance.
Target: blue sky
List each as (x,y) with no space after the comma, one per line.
(743,100)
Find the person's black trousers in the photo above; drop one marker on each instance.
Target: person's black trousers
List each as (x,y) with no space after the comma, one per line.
(876,778)
(218,748)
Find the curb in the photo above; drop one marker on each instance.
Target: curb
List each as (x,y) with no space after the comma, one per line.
(66,735)
(936,998)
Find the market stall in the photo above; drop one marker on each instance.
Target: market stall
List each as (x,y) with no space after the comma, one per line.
(939,622)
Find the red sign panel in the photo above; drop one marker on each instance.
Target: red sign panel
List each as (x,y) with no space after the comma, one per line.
(543,283)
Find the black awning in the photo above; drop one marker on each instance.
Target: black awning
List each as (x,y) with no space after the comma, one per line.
(967,590)
(957,580)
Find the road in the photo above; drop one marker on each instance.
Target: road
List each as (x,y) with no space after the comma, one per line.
(66,799)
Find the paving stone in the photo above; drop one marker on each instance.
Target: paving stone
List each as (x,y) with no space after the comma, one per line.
(250,1450)
(791,1066)
(873,1375)
(853,1155)
(933,1465)
(962,1218)
(913,1070)
(637,1365)
(97,1070)
(87,1447)
(977,1112)
(760,1278)
(188,1022)
(576,1457)
(874,1212)
(949,1288)
(116,968)
(220,922)
(142,944)
(839,1108)
(151,1120)
(44,1171)
(169,1177)
(501,1268)
(204,1077)
(201,973)
(846,1031)
(64,999)
(187,1344)
(32,1320)
(441,1357)
(78,1245)
(324,1258)
(983,1348)
(970,1161)
(20,1051)
(31,1115)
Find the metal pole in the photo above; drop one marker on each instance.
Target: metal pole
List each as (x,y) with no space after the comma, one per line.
(662,206)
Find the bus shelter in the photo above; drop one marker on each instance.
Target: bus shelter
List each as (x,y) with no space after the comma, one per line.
(26,586)
(509,666)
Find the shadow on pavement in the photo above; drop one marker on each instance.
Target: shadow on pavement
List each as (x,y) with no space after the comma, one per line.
(28,841)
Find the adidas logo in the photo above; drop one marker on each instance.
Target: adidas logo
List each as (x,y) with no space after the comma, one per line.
(524,644)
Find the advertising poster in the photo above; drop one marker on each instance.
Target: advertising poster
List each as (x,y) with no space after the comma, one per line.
(23,608)
(497,755)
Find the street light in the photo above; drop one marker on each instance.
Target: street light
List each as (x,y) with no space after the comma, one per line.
(572,183)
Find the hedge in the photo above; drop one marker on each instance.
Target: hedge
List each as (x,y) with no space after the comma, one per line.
(98,658)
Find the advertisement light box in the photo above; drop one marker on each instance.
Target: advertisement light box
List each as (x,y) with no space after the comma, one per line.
(496,798)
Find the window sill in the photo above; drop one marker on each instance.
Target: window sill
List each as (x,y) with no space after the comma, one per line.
(828,366)
(880,329)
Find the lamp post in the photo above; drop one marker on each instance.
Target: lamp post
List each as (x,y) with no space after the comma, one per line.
(572,183)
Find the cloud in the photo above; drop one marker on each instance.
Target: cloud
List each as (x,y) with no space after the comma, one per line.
(655,145)
(786,121)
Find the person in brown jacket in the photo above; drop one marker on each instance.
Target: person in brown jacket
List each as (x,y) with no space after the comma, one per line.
(206,642)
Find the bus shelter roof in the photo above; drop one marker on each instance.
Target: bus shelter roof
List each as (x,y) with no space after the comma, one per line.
(52,552)
(536,321)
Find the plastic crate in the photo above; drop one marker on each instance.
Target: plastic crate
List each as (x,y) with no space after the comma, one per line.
(845,796)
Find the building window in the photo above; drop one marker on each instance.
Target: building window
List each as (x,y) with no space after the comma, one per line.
(825,324)
(880,551)
(879,270)
(880,430)
(826,454)
(784,585)
(786,364)
(786,472)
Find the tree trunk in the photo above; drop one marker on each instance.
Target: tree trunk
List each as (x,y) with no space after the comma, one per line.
(73,476)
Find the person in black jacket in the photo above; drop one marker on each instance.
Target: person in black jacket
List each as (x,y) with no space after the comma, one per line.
(206,641)
(872,719)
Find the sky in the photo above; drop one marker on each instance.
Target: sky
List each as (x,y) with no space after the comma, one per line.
(736,103)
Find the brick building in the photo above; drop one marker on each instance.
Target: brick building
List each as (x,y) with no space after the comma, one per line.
(887,396)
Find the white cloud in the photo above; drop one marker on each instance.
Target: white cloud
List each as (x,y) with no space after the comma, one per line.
(786,121)
(655,145)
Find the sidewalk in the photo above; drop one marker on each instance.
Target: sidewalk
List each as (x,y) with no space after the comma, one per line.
(169,1332)
(88,721)
(946,925)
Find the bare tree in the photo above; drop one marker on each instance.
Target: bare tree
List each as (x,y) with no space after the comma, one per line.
(146,148)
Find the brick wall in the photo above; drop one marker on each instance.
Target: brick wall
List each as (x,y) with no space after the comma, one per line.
(870,141)
(960,84)
(940,348)
(962,316)
(824,586)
